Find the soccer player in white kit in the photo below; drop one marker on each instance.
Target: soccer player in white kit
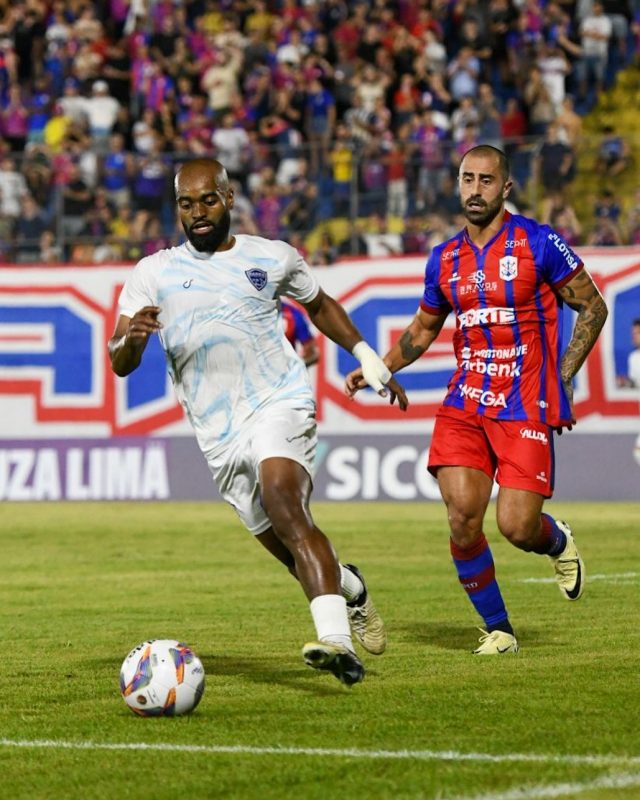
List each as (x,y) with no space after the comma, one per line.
(214,302)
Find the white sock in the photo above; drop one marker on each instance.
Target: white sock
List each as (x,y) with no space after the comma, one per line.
(350,584)
(329,612)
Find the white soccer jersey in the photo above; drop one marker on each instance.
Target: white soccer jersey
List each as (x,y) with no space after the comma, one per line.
(224,343)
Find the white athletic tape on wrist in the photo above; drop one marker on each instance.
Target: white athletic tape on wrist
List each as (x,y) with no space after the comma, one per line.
(374,370)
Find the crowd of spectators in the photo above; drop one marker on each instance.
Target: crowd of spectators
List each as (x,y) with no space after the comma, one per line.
(318,109)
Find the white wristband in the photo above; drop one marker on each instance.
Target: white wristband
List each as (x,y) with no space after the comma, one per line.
(374,370)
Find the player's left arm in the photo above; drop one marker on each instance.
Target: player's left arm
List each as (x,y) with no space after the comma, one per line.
(582,295)
(330,318)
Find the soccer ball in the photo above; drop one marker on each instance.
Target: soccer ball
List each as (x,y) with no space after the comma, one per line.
(161,678)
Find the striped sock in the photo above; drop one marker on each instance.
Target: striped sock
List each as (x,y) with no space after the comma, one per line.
(552,540)
(477,574)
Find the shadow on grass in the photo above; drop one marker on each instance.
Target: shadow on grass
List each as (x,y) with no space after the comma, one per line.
(454,637)
(445,636)
(272,671)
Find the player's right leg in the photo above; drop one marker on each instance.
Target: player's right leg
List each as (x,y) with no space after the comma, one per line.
(270,495)
(461,460)
(285,489)
(283,444)
(466,493)
(365,621)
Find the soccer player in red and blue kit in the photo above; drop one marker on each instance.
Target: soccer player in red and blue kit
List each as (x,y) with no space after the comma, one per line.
(506,278)
(297,331)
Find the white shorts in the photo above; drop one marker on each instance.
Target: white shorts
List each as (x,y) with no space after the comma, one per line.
(275,432)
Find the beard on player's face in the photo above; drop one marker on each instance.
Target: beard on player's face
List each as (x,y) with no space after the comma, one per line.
(210,241)
(481,212)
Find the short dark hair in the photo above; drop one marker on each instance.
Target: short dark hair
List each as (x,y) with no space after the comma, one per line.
(490,150)
(636,322)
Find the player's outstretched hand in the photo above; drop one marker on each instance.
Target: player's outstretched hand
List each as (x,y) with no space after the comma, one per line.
(397,392)
(144,322)
(355,382)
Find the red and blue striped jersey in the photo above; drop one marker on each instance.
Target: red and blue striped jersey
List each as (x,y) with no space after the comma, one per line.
(508,335)
(296,327)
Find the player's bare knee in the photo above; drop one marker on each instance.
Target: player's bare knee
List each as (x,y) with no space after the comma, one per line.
(281,515)
(285,509)
(465,525)
(299,539)
(518,533)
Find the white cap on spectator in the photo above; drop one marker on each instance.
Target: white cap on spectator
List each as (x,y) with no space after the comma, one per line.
(100,86)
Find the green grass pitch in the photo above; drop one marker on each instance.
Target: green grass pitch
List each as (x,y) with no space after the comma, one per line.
(81,584)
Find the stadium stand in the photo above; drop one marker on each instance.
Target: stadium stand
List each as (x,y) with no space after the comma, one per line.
(326,112)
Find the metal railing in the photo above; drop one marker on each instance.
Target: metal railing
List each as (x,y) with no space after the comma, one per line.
(47,217)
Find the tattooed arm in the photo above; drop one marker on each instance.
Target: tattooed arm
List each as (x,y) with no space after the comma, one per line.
(413,342)
(582,295)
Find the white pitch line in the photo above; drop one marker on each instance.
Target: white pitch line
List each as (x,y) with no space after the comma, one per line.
(622,781)
(416,755)
(619,577)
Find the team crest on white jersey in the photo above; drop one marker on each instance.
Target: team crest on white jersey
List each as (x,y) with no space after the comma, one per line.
(508,268)
(258,277)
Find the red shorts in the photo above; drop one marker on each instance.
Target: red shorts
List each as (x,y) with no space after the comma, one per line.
(519,454)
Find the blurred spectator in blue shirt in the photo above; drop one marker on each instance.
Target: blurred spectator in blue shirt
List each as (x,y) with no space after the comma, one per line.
(320,117)
(117,171)
(606,206)
(614,153)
